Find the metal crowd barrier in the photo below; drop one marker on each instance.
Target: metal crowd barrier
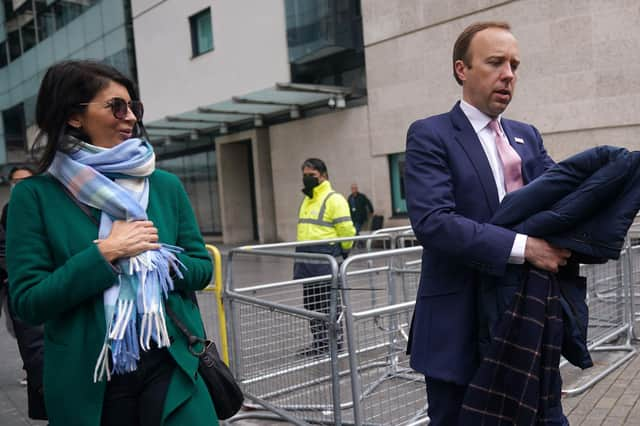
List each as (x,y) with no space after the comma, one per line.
(211,306)
(610,315)
(270,328)
(363,377)
(384,389)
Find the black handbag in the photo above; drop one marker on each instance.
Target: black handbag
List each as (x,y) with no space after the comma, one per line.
(224,391)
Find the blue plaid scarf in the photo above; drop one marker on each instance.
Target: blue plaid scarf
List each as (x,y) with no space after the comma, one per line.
(134,305)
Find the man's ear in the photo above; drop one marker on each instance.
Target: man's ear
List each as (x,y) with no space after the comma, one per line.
(460,69)
(75,121)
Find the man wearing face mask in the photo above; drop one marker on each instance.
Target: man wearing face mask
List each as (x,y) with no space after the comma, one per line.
(323,214)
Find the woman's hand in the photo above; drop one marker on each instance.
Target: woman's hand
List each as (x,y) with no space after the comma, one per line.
(128,239)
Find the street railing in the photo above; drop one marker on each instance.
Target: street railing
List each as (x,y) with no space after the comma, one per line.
(363,377)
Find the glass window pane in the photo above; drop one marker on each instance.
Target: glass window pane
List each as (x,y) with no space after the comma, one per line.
(3,54)
(46,23)
(67,11)
(28,35)
(205,38)
(201,32)
(198,173)
(398,198)
(14,45)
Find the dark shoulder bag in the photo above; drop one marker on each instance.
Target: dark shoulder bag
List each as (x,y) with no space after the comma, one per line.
(224,391)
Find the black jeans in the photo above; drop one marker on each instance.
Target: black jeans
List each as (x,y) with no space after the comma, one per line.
(30,340)
(317,295)
(137,398)
(445,400)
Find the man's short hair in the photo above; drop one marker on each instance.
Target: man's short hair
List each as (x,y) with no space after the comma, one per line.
(315,164)
(17,169)
(461,46)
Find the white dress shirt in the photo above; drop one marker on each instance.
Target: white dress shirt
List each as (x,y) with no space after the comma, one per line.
(480,123)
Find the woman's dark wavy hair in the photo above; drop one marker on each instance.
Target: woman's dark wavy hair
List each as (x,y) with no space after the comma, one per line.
(64,87)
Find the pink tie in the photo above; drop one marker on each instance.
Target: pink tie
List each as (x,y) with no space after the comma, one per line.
(511,163)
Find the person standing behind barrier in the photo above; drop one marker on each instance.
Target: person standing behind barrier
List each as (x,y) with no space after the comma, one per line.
(323,214)
(109,241)
(30,338)
(455,179)
(360,207)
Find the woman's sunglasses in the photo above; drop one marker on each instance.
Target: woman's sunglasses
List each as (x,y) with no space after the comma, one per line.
(119,107)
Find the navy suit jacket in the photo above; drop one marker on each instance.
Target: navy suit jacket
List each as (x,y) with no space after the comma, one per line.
(451,197)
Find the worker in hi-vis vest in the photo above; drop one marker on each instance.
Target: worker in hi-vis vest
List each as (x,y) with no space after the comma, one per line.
(323,214)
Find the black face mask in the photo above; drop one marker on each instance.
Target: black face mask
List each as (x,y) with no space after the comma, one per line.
(309,183)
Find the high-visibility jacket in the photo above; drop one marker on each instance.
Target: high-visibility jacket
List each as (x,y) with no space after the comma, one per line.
(325,216)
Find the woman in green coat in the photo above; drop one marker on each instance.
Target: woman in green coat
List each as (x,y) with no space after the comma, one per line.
(97,247)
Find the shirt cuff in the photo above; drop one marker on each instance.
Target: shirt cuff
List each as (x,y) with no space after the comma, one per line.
(517,251)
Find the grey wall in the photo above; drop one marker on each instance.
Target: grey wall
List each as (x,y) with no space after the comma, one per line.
(579,81)
(234,186)
(235,194)
(341,139)
(264,186)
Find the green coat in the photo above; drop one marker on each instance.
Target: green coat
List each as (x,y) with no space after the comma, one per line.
(58,277)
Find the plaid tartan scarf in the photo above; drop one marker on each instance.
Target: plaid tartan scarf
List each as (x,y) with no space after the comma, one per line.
(115,181)
(514,384)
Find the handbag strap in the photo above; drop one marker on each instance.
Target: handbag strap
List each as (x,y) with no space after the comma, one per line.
(191,338)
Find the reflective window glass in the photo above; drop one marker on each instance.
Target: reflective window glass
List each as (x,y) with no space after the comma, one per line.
(398,197)
(201,32)
(13,38)
(3,54)
(198,172)
(46,23)
(67,11)
(29,39)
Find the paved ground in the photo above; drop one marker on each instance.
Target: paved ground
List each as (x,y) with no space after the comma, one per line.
(613,401)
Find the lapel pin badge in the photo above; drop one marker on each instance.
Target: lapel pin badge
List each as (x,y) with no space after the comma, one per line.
(518,140)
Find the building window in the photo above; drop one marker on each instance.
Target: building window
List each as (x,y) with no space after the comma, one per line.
(201,33)
(325,42)
(3,54)
(197,169)
(15,50)
(15,133)
(398,197)
(46,21)
(29,38)
(66,11)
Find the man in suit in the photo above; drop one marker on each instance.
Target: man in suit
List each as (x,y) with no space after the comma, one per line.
(457,172)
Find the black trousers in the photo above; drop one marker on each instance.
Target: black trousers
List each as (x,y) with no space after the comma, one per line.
(137,398)
(317,296)
(445,401)
(30,340)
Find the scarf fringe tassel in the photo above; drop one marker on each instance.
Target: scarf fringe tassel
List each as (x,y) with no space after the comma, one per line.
(153,270)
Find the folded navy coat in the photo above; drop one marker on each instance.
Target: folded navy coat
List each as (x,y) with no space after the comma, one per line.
(585,204)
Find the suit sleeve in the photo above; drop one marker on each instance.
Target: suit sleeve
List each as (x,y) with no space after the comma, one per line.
(40,289)
(338,209)
(434,216)
(195,257)
(544,156)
